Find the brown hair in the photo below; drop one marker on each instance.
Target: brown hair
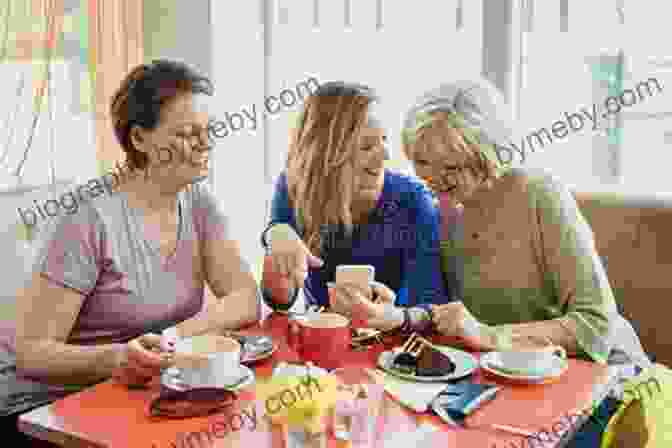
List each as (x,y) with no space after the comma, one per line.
(440,131)
(142,93)
(320,174)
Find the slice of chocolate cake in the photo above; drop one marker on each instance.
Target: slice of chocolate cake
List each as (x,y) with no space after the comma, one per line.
(432,362)
(405,363)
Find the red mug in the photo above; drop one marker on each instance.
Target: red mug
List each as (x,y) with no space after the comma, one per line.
(323,339)
(358,315)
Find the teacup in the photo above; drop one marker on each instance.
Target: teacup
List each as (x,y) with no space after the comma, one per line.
(323,338)
(531,362)
(208,360)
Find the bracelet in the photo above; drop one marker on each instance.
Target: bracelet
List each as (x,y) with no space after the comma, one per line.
(264,243)
(430,317)
(406,325)
(266,296)
(420,319)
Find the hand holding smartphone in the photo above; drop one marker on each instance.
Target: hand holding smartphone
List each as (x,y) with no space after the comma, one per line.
(360,275)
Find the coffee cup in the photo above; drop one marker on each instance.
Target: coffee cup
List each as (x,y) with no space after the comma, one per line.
(532,362)
(323,338)
(208,360)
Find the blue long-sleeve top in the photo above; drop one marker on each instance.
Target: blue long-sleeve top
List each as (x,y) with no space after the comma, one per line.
(400,239)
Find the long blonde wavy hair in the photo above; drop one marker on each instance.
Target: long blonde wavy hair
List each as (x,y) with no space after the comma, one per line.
(320,171)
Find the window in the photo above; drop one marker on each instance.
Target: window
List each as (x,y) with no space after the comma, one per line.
(592,58)
(400,48)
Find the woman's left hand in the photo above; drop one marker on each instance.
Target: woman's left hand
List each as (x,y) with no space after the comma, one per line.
(353,302)
(455,320)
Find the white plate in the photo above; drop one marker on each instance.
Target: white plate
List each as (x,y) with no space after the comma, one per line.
(490,361)
(465,364)
(172,379)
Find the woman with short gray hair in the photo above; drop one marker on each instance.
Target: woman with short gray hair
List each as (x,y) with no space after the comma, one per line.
(531,274)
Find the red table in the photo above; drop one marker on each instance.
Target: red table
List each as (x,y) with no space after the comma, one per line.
(111,415)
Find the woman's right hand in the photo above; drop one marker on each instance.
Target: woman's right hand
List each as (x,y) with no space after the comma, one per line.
(140,360)
(290,256)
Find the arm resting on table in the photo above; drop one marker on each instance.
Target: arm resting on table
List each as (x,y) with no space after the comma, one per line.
(226,272)
(231,280)
(233,311)
(581,320)
(42,332)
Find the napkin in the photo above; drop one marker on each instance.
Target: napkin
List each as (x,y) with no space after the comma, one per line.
(414,395)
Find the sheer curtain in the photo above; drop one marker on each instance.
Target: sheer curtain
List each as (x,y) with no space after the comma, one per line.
(48,127)
(60,62)
(116,46)
(29,34)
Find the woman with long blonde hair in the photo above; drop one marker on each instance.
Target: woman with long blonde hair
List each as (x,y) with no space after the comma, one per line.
(336,205)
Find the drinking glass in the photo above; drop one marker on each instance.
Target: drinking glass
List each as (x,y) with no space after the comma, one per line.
(357,408)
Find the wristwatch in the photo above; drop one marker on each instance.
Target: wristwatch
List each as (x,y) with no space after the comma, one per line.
(406,325)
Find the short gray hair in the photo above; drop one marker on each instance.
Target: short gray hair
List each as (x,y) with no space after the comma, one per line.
(479,102)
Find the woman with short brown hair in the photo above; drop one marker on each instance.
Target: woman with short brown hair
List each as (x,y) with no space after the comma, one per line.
(129,265)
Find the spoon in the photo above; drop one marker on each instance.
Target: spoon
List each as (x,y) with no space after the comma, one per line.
(250,339)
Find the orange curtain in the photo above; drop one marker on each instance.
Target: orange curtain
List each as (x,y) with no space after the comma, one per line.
(31,30)
(116,46)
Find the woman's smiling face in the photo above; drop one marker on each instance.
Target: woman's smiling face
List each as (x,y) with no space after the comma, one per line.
(446,169)
(179,147)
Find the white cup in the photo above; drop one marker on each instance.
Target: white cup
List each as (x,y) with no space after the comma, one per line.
(208,360)
(533,360)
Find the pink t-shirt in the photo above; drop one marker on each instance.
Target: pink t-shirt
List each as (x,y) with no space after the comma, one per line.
(104,252)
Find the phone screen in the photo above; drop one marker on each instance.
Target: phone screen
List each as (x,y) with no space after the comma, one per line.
(361,275)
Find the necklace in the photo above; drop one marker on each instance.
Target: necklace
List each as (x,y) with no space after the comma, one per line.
(479,204)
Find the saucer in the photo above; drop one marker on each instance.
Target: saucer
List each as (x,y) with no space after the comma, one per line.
(491,363)
(299,370)
(249,357)
(172,379)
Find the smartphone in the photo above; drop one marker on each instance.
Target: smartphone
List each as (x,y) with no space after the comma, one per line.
(457,401)
(359,274)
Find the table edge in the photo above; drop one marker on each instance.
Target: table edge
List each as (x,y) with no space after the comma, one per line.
(38,431)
